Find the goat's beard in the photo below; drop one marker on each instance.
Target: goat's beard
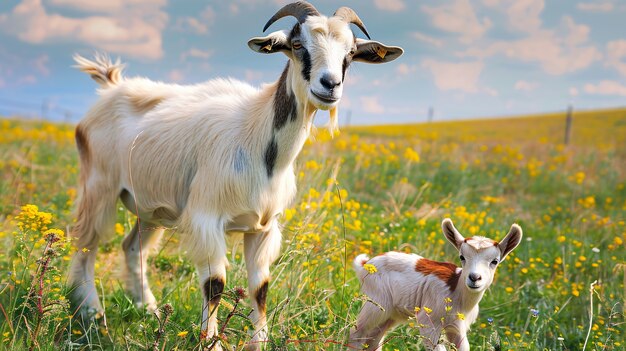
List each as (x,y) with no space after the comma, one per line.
(333,124)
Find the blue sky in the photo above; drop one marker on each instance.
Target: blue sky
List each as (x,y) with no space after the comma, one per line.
(477,58)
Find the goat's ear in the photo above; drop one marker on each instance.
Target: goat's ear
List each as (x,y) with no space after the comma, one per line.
(275,42)
(370,51)
(510,241)
(453,235)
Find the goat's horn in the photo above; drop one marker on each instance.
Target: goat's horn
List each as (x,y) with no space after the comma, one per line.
(347,14)
(300,10)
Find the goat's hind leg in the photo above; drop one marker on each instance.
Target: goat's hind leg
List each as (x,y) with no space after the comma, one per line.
(137,245)
(96,216)
(371,326)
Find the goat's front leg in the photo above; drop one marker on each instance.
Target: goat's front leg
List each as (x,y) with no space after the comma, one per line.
(212,279)
(261,250)
(430,332)
(457,334)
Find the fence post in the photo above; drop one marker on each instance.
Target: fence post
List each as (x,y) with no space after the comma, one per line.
(568,124)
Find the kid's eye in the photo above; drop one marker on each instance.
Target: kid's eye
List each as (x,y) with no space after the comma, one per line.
(296,45)
(462,258)
(494,262)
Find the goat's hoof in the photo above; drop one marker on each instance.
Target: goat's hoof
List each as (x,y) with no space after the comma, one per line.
(150,306)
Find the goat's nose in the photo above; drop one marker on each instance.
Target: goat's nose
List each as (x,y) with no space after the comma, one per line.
(474,277)
(329,81)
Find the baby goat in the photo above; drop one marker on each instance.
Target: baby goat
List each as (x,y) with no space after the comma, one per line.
(407,285)
(209,159)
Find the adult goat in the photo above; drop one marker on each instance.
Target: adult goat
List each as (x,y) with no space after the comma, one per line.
(209,159)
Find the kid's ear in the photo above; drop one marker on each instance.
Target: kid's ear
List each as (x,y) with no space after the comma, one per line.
(453,235)
(370,51)
(510,241)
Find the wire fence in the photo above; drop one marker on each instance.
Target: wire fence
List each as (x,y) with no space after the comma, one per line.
(45,109)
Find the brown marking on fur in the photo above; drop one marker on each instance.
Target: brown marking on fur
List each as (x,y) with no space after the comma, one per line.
(142,104)
(83,148)
(261,297)
(443,270)
(213,288)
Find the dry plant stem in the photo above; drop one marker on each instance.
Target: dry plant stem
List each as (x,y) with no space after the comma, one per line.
(590,313)
(161,330)
(43,267)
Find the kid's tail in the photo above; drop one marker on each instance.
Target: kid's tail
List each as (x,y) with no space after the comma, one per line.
(358,263)
(102,69)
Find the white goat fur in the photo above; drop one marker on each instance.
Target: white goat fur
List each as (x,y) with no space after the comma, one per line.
(209,159)
(403,282)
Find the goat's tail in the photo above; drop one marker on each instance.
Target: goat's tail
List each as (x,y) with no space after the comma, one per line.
(104,71)
(358,263)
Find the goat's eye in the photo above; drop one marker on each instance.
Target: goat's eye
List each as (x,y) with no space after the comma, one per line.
(494,262)
(352,52)
(296,45)
(462,258)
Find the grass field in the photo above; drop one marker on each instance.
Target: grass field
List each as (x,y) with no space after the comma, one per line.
(368,190)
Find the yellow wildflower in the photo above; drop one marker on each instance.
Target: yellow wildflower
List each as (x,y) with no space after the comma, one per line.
(411,155)
(460,316)
(370,268)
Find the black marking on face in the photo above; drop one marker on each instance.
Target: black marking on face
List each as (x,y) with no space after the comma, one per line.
(213,288)
(306,64)
(295,32)
(344,68)
(284,102)
(271,153)
(261,297)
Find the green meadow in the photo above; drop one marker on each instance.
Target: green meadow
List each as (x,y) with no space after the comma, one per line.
(367,190)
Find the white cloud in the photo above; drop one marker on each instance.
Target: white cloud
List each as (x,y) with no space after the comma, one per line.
(558,51)
(616,55)
(40,64)
(427,39)
(606,87)
(371,105)
(459,17)
(253,75)
(133,31)
(491,3)
(176,76)
(525,85)
(404,69)
(27,79)
(196,53)
(524,15)
(199,25)
(573,91)
(390,5)
(595,6)
(455,76)
(108,6)
(573,34)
